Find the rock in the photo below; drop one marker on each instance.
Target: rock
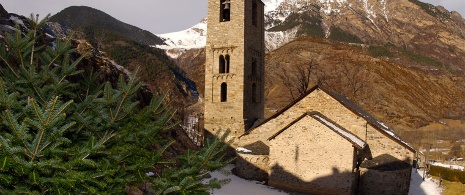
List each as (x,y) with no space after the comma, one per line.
(3,12)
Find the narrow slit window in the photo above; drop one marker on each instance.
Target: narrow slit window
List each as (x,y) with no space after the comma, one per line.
(254,68)
(222,64)
(224,92)
(227,61)
(254,13)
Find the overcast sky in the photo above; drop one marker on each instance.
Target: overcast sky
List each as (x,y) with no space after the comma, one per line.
(156,16)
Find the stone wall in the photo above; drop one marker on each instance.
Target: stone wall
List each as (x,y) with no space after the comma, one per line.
(381,144)
(252,167)
(384,182)
(310,157)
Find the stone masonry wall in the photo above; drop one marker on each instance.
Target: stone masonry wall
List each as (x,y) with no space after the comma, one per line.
(384,182)
(310,157)
(243,44)
(252,167)
(255,51)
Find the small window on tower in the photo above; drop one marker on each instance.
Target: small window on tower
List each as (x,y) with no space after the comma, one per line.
(225,10)
(224,92)
(254,13)
(254,68)
(222,64)
(227,60)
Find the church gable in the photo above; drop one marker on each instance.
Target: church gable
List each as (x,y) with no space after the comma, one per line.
(312,156)
(337,108)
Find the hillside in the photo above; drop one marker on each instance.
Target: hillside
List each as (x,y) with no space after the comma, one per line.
(413,25)
(88,20)
(402,64)
(401,96)
(422,29)
(129,47)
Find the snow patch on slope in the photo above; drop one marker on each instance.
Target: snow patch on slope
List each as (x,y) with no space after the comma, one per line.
(179,42)
(271,5)
(328,7)
(274,40)
(17,20)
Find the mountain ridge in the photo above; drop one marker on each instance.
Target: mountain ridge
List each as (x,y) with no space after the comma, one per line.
(81,17)
(119,42)
(412,24)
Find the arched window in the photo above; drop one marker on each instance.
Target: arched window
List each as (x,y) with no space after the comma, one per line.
(222,64)
(254,93)
(254,13)
(225,10)
(224,92)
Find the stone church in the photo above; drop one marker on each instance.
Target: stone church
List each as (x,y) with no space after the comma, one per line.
(322,143)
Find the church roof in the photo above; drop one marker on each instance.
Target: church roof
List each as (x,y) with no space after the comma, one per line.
(356,141)
(382,128)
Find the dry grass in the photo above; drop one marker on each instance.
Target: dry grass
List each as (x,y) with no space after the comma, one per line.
(453,188)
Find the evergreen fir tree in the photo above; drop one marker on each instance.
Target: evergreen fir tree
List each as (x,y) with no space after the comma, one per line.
(63,137)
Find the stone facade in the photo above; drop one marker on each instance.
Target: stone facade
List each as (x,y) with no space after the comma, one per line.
(374,182)
(252,166)
(234,69)
(296,157)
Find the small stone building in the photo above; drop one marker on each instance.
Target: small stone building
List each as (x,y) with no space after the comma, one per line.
(318,143)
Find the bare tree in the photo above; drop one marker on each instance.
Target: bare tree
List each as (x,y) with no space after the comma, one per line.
(346,78)
(355,79)
(298,79)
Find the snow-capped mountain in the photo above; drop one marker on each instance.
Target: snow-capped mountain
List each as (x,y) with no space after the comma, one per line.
(276,13)
(418,26)
(195,37)
(178,42)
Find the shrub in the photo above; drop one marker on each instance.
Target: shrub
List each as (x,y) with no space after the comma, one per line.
(421,59)
(379,51)
(309,25)
(61,133)
(448,174)
(340,35)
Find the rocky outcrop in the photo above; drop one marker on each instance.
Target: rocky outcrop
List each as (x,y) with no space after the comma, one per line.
(3,12)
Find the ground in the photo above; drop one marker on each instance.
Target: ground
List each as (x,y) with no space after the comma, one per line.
(418,186)
(238,186)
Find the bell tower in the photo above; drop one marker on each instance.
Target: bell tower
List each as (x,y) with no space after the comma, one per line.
(235,65)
